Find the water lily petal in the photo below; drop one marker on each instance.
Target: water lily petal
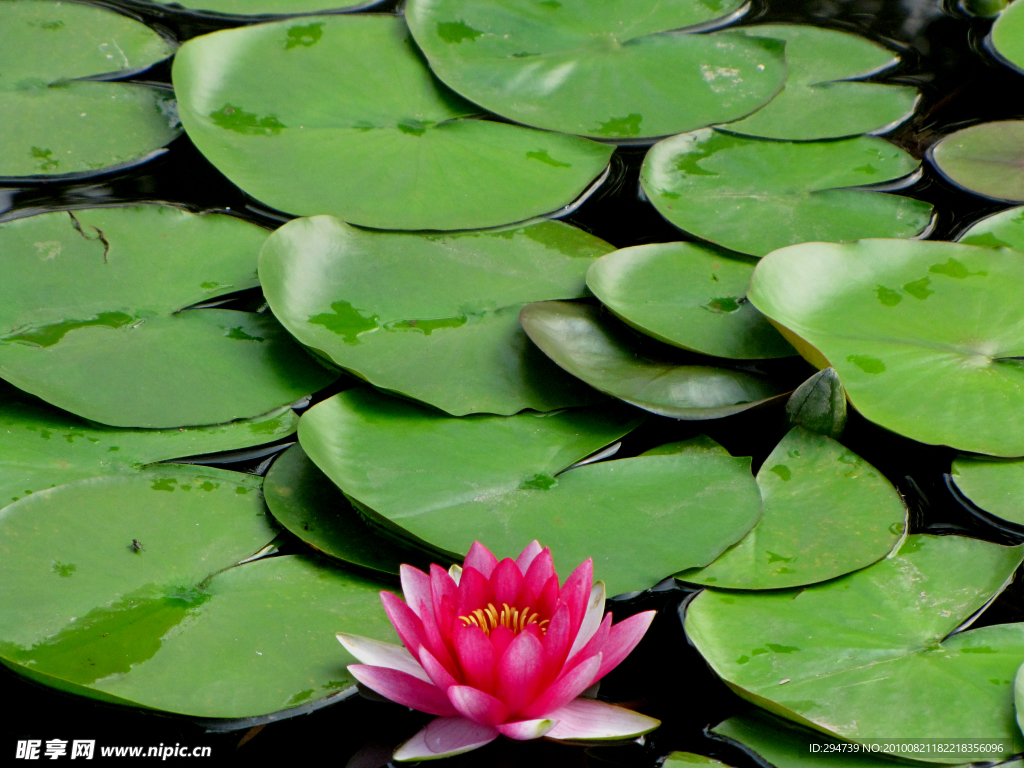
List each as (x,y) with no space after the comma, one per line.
(416,588)
(576,592)
(445,737)
(524,730)
(456,573)
(547,601)
(592,720)
(404,689)
(520,671)
(378,654)
(480,557)
(444,596)
(536,576)
(591,619)
(436,671)
(477,706)
(476,657)
(406,623)
(501,637)
(556,643)
(507,583)
(526,557)
(622,639)
(474,591)
(596,644)
(565,689)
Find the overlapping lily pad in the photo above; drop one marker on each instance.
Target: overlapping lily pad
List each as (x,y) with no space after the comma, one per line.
(819,101)
(1007,36)
(63,126)
(90,319)
(602,68)
(592,347)
(870,656)
(754,196)
(433,317)
(825,512)
(995,486)
(500,480)
(926,336)
(1002,230)
(986,159)
(688,295)
(372,137)
(162,624)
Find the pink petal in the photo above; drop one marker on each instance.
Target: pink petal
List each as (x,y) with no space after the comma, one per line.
(474,591)
(476,657)
(527,556)
(416,588)
(576,591)
(444,596)
(436,671)
(507,583)
(403,689)
(501,637)
(480,557)
(520,671)
(444,737)
(592,720)
(622,639)
(477,706)
(524,730)
(406,623)
(547,601)
(536,576)
(596,644)
(556,644)
(378,654)
(565,689)
(591,619)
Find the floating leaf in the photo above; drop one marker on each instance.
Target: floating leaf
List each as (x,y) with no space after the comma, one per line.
(870,655)
(688,295)
(1007,36)
(922,334)
(162,624)
(995,486)
(699,444)
(67,127)
(372,138)
(91,320)
(685,759)
(819,404)
(985,159)
(819,101)
(270,7)
(592,348)
(1001,230)
(754,196)
(450,481)
(305,501)
(825,512)
(985,9)
(433,317)
(601,68)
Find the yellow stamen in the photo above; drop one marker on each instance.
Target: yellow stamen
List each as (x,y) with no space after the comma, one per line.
(489,618)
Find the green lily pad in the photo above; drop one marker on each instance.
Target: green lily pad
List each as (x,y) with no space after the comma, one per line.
(1007,36)
(500,480)
(590,346)
(754,196)
(372,138)
(688,295)
(1001,230)
(921,333)
(699,444)
(996,486)
(870,655)
(305,501)
(43,447)
(433,317)
(681,759)
(67,127)
(91,320)
(162,624)
(603,68)
(819,101)
(269,7)
(985,9)
(985,159)
(825,512)
(819,404)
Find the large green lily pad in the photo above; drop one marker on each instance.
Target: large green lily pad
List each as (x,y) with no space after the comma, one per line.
(67,127)
(986,159)
(433,317)
(688,295)
(589,345)
(926,336)
(500,480)
(994,485)
(339,115)
(1001,230)
(819,101)
(1007,36)
(604,68)
(91,320)
(754,196)
(43,447)
(164,626)
(825,512)
(870,655)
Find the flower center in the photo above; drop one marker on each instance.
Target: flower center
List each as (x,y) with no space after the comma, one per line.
(488,618)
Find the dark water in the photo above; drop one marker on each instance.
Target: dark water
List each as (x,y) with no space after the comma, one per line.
(961,85)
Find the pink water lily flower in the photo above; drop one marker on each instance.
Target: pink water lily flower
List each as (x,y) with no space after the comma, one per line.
(499,648)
